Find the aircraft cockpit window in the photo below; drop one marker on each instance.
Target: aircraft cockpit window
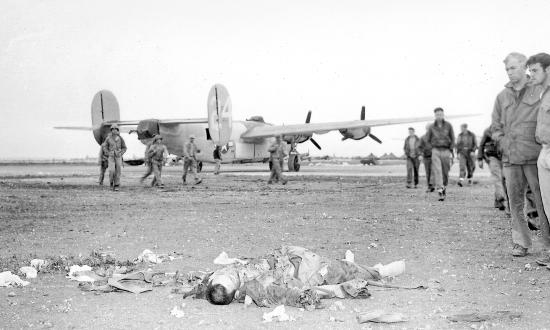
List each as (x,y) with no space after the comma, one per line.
(256,118)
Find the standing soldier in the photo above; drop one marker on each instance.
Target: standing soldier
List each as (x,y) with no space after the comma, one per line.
(411,147)
(147,161)
(539,67)
(103,162)
(426,150)
(488,151)
(514,120)
(218,159)
(115,147)
(466,145)
(157,155)
(277,152)
(441,137)
(190,159)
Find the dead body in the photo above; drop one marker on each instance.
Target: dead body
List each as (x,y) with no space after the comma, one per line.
(291,275)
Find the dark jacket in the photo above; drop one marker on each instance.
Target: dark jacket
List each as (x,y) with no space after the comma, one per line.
(407,147)
(425,147)
(441,136)
(466,143)
(488,147)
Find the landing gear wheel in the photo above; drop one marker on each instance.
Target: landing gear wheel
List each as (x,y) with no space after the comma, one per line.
(293,163)
(199,167)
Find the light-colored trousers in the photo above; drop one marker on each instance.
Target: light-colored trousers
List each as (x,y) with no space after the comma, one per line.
(441,164)
(115,170)
(543,165)
(217,166)
(517,179)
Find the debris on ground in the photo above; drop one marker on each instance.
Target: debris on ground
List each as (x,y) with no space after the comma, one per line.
(380,316)
(393,269)
(29,272)
(223,259)
(82,274)
(278,314)
(38,264)
(177,311)
(9,279)
(481,317)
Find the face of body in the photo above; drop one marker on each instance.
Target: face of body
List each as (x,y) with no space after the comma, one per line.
(115,132)
(463,128)
(538,75)
(411,132)
(515,70)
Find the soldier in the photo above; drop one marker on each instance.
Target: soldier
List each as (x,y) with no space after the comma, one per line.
(426,150)
(441,137)
(277,152)
(514,120)
(466,145)
(157,155)
(190,160)
(488,151)
(217,159)
(411,147)
(115,147)
(103,162)
(539,67)
(147,161)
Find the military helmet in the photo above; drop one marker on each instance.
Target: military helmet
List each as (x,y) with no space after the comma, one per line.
(192,136)
(114,126)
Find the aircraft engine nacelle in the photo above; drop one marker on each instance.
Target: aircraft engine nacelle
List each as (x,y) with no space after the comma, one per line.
(355,133)
(220,120)
(147,128)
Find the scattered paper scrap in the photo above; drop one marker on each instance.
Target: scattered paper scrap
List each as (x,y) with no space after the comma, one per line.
(278,314)
(29,272)
(379,316)
(9,279)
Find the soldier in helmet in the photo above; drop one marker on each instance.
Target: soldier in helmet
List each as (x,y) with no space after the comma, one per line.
(115,147)
(190,160)
(277,153)
(157,155)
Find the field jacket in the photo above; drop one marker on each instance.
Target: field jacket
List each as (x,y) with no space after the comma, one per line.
(425,147)
(114,145)
(542,133)
(441,136)
(466,143)
(514,121)
(407,147)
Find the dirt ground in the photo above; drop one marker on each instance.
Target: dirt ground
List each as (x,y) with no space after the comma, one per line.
(460,248)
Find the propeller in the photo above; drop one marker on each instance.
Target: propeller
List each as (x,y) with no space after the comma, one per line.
(315,143)
(308,118)
(375,138)
(363,113)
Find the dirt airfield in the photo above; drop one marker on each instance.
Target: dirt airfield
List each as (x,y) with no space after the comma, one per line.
(460,248)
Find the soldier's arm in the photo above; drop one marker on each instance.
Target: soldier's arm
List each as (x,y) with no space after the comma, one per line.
(475,142)
(496,129)
(452,135)
(481,147)
(186,150)
(122,146)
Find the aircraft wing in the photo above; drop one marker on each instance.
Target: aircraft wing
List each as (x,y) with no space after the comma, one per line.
(322,128)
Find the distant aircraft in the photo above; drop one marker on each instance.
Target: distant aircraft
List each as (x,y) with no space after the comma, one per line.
(242,141)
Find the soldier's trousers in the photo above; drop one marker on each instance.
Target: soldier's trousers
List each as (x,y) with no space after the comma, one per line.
(495,167)
(217,166)
(412,170)
(276,173)
(157,172)
(441,164)
(467,165)
(190,164)
(102,168)
(428,168)
(517,179)
(115,170)
(543,166)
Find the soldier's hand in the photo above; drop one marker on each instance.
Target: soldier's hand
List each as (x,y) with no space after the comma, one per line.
(480,163)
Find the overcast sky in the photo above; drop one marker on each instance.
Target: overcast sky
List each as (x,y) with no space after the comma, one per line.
(278,59)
